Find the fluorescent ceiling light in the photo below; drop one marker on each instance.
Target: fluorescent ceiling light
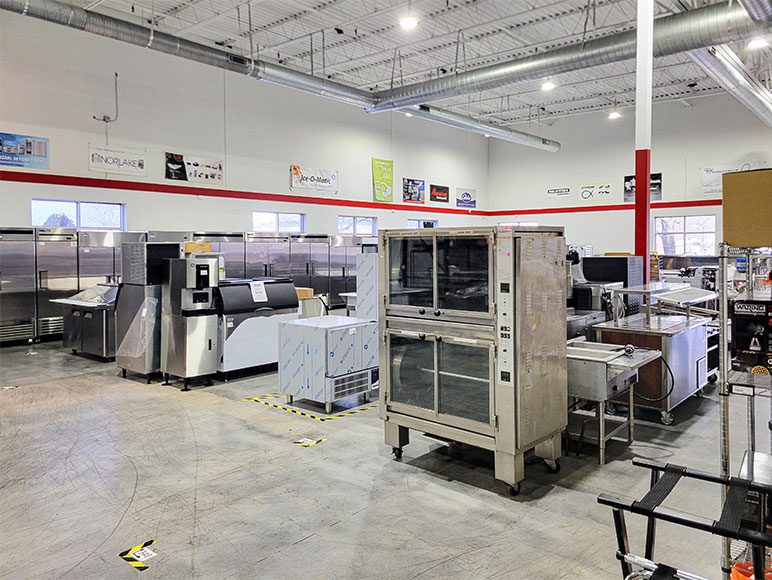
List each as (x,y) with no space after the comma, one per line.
(408,22)
(408,114)
(487,135)
(614,114)
(548,86)
(757,43)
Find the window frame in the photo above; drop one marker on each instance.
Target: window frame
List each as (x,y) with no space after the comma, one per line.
(276,222)
(684,232)
(78,218)
(420,221)
(356,219)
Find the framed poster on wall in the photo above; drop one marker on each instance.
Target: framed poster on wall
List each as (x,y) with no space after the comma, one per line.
(413,190)
(439,193)
(24,151)
(655,187)
(466,198)
(179,167)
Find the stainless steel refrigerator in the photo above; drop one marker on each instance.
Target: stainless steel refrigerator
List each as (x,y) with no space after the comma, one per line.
(17,284)
(230,245)
(99,256)
(266,255)
(56,259)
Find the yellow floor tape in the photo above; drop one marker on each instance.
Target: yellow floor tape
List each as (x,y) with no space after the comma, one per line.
(261,399)
(128,556)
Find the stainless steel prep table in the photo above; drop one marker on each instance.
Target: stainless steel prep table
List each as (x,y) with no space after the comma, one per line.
(683,343)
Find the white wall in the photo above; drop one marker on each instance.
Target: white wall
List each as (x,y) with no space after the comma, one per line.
(55,79)
(715,131)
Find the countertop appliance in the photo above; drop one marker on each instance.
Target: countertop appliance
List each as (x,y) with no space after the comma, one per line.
(99,256)
(138,306)
(56,260)
(625,269)
(328,358)
(17,284)
(89,321)
(189,318)
(594,295)
(474,323)
(248,316)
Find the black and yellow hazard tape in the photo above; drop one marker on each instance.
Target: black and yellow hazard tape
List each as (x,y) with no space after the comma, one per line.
(310,442)
(260,399)
(128,556)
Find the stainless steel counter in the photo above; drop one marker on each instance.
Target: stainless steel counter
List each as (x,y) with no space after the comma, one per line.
(660,324)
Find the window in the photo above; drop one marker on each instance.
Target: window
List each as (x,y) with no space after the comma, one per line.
(357,225)
(269,221)
(691,235)
(49,213)
(421,223)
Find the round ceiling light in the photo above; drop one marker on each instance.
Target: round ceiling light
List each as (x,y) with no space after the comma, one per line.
(408,22)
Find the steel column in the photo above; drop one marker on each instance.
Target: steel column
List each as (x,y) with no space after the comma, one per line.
(643,99)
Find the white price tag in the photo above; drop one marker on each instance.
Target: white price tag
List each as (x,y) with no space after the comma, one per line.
(258,291)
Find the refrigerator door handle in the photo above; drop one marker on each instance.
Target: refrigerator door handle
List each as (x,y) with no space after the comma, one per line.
(43,279)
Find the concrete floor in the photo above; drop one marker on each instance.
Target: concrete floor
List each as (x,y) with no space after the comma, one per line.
(92,464)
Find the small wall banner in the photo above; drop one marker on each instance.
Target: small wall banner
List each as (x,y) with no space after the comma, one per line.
(314,179)
(655,187)
(413,190)
(593,191)
(559,192)
(439,193)
(116,160)
(24,151)
(179,167)
(383,179)
(712,182)
(466,198)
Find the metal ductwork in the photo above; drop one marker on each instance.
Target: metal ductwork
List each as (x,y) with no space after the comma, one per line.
(759,10)
(715,24)
(80,19)
(486,129)
(723,65)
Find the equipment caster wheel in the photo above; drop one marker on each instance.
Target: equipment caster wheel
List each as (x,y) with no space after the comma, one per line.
(74,351)
(699,393)
(397,451)
(611,408)
(514,490)
(666,418)
(552,466)
(712,379)
(123,373)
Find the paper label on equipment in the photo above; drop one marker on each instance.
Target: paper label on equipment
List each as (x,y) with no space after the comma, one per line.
(143,554)
(144,312)
(258,291)
(352,330)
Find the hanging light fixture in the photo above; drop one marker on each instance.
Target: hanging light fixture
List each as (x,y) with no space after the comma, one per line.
(757,43)
(548,85)
(408,21)
(614,114)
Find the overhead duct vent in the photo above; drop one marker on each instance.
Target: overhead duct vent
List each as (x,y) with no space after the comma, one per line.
(723,65)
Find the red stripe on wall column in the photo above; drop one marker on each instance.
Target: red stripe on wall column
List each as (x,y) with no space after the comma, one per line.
(642,207)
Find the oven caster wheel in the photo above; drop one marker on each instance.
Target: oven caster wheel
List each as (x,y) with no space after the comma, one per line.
(699,393)
(123,373)
(552,466)
(611,408)
(397,451)
(514,490)
(666,418)
(712,378)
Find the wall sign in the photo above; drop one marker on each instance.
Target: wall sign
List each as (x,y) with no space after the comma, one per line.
(712,176)
(181,167)
(593,191)
(24,151)
(439,193)
(314,179)
(413,190)
(655,187)
(116,160)
(466,198)
(383,179)
(559,192)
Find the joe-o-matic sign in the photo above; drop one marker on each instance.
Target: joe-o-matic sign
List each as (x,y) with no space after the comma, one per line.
(116,160)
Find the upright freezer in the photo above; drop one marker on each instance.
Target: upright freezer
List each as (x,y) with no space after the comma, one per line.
(56,258)
(266,255)
(17,284)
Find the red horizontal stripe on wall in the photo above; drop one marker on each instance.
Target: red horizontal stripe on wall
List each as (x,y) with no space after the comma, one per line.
(74,181)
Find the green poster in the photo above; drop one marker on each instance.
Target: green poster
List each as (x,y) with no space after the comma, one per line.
(383,179)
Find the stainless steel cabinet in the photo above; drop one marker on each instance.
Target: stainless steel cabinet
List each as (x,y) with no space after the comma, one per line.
(17,284)
(99,256)
(267,255)
(57,275)
(310,263)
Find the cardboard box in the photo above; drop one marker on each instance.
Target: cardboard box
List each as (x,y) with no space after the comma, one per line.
(197,247)
(748,208)
(304,293)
